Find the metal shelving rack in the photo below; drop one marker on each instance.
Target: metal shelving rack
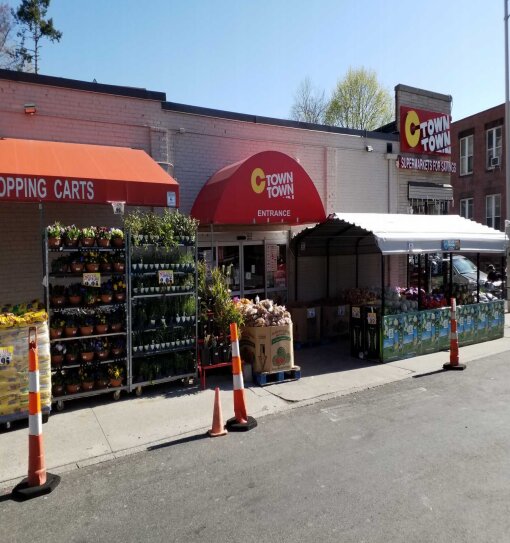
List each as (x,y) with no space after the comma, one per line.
(151,352)
(57,277)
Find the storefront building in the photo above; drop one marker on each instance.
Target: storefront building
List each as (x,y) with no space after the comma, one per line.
(314,171)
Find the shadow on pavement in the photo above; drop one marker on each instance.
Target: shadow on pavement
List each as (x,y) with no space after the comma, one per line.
(178,442)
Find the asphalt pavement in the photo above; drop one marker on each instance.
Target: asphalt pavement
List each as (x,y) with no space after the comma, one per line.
(424,459)
(96,430)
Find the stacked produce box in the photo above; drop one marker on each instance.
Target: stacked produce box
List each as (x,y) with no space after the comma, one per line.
(14,327)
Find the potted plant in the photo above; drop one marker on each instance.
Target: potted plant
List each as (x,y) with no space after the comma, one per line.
(70,328)
(119,262)
(106,292)
(117,237)
(115,321)
(101,348)
(119,290)
(117,347)
(87,378)
(60,264)
(101,323)
(58,295)
(86,350)
(133,224)
(72,382)
(103,236)
(74,294)
(58,351)
(100,379)
(88,236)
(105,264)
(76,264)
(71,236)
(86,325)
(57,383)
(56,328)
(72,352)
(54,232)
(90,296)
(92,261)
(115,372)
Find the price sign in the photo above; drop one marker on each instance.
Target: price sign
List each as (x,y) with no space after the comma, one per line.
(356,312)
(91,280)
(165,277)
(372,318)
(6,355)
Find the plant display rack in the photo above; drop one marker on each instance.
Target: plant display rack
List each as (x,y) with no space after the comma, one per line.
(88,324)
(162,284)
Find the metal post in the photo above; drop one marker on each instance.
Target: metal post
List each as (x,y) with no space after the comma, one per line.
(477,278)
(383,280)
(507,118)
(419,281)
(451,277)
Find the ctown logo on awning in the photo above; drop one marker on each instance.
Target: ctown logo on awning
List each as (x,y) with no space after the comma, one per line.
(424,132)
(276,185)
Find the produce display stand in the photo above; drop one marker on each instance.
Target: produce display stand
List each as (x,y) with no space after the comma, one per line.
(90,330)
(379,328)
(162,312)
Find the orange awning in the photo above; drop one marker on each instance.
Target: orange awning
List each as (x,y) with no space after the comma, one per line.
(38,171)
(268,187)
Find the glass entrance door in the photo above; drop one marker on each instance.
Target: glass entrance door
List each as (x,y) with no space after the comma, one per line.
(253,268)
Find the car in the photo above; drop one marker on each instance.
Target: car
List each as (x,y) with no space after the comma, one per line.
(465,271)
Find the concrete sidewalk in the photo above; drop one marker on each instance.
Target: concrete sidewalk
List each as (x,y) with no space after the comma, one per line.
(95,430)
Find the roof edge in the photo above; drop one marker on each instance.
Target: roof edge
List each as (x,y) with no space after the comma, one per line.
(118,90)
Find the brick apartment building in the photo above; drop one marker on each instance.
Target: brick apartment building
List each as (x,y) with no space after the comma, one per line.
(479,182)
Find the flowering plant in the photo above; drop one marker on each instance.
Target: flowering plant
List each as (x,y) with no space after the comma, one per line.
(103,232)
(117,233)
(115,371)
(58,348)
(55,230)
(100,344)
(119,286)
(88,232)
(85,374)
(72,232)
(92,257)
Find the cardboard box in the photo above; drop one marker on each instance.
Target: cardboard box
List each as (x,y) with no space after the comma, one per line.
(306,323)
(335,320)
(268,348)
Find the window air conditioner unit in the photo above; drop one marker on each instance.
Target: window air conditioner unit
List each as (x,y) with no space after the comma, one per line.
(494,161)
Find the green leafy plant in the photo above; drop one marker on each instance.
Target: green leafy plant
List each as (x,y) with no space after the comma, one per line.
(88,232)
(116,233)
(72,233)
(55,230)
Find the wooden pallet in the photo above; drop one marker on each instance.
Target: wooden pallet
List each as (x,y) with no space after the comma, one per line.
(266,378)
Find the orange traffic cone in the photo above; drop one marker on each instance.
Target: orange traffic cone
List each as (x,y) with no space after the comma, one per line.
(241,422)
(454,340)
(38,482)
(218,428)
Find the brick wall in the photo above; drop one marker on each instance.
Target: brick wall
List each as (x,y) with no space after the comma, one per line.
(481,182)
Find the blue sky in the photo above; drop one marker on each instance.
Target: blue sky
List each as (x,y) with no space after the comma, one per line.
(249,56)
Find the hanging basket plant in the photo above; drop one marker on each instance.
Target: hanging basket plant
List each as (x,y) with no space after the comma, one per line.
(54,232)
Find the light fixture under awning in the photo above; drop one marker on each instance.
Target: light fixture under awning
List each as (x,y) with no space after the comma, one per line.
(48,171)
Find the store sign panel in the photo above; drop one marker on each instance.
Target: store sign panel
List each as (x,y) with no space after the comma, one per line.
(424,132)
(56,189)
(426,164)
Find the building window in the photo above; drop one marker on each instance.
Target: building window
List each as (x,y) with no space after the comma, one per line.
(494,147)
(466,208)
(466,155)
(493,210)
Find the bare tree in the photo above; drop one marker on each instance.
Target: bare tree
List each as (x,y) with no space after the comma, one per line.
(360,102)
(7,47)
(309,103)
(30,17)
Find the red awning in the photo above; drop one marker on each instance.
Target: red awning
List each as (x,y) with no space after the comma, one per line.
(269,187)
(48,171)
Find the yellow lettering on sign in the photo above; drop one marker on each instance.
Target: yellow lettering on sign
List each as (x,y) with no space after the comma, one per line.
(412,121)
(258,180)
